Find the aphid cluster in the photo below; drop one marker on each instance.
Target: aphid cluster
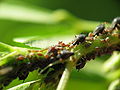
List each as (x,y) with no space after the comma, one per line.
(61,52)
(101,51)
(58,52)
(36,60)
(99,30)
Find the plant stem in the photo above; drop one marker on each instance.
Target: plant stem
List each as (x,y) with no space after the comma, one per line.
(65,76)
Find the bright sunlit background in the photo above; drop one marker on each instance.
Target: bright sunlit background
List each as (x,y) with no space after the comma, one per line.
(59,20)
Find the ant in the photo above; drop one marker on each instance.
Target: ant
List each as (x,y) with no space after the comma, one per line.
(65,54)
(79,39)
(116,23)
(99,29)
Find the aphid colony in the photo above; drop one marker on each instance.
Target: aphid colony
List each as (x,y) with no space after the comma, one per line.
(36,60)
(99,30)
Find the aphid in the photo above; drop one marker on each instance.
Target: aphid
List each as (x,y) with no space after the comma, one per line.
(103,40)
(20,57)
(23,71)
(79,39)
(65,54)
(90,34)
(116,23)
(107,39)
(61,44)
(23,75)
(90,38)
(90,56)
(39,54)
(80,64)
(99,29)
(118,48)
(52,50)
(87,45)
(97,48)
(46,56)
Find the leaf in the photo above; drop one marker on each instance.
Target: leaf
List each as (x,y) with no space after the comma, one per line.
(26,39)
(5,47)
(31,15)
(24,86)
(37,42)
(33,76)
(8,58)
(40,22)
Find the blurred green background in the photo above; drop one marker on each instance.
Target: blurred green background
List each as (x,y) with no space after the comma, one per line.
(56,19)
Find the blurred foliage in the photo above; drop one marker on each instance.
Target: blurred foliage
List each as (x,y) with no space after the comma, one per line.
(56,24)
(100,10)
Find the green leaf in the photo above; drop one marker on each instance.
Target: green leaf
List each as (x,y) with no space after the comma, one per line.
(24,86)
(38,42)
(5,47)
(8,58)
(33,76)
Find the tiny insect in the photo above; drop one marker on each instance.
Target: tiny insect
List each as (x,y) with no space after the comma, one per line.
(21,57)
(79,39)
(99,29)
(61,44)
(90,34)
(52,50)
(80,64)
(65,54)
(116,23)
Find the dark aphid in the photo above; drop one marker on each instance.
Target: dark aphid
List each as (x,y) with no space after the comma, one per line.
(79,39)
(90,56)
(65,54)
(99,29)
(23,75)
(116,23)
(80,64)
(87,45)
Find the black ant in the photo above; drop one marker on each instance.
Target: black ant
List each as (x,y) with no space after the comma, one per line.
(116,23)
(99,29)
(65,54)
(79,39)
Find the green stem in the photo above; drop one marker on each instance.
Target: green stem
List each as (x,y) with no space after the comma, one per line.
(65,76)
